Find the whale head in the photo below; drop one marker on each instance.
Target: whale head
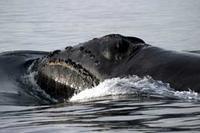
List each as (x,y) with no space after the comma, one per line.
(65,72)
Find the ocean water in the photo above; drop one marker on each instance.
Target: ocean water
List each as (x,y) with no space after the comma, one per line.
(132,104)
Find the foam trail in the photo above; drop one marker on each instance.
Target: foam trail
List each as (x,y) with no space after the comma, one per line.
(133,85)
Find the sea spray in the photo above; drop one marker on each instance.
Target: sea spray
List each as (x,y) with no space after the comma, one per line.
(133,85)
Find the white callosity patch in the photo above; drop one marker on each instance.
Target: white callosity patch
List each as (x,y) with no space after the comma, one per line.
(133,85)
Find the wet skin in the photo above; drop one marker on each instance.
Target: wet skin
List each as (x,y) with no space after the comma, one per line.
(63,73)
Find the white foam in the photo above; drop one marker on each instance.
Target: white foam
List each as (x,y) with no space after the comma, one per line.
(133,85)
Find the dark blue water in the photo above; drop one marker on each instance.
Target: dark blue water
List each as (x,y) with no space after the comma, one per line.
(113,106)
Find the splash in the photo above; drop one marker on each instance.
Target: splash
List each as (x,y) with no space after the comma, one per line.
(32,87)
(133,85)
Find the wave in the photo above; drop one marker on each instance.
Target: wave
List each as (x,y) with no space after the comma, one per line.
(134,85)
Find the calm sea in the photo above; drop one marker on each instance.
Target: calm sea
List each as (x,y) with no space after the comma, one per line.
(54,24)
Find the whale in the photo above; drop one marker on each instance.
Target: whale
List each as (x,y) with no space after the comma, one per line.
(64,73)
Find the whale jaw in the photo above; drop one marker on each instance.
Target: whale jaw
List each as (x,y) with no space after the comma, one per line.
(62,79)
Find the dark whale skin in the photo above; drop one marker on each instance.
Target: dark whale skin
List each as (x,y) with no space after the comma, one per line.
(63,73)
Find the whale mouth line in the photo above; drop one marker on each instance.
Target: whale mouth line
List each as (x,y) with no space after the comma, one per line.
(75,69)
(66,78)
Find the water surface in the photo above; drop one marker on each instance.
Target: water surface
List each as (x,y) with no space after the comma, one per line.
(48,25)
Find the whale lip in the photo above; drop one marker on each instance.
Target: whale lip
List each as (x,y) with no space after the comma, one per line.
(62,79)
